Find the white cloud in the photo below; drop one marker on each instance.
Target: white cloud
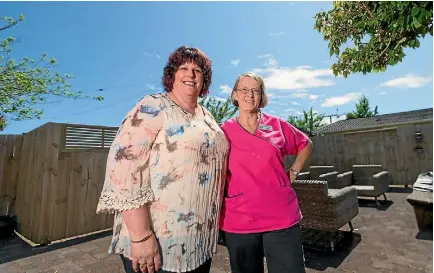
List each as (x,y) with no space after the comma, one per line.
(235,62)
(408,81)
(300,95)
(341,100)
(216,98)
(151,86)
(226,89)
(304,94)
(277,101)
(295,78)
(271,62)
(147,54)
(265,56)
(275,34)
(313,97)
(294,103)
(293,111)
(382,93)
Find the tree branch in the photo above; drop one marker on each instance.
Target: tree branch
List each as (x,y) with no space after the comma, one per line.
(363,5)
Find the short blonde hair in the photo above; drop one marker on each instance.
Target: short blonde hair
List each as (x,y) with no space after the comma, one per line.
(258,79)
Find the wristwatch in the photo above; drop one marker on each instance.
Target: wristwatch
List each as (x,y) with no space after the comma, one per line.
(294,172)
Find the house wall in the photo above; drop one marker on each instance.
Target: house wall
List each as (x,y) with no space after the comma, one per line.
(392,147)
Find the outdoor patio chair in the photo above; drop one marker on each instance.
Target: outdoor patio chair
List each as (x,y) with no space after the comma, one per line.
(334,180)
(324,208)
(369,181)
(314,172)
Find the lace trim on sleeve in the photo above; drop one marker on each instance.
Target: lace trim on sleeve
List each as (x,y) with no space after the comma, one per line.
(111,202)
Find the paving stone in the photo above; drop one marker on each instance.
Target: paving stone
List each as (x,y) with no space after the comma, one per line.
(73,269)
(367,269)
(383,241)
(89,247)
(68,250)
(10,268)
(64,264)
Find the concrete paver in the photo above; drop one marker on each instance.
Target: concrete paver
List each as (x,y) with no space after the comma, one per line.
(384,240)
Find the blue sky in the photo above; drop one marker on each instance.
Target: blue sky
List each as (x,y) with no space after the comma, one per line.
(122,48)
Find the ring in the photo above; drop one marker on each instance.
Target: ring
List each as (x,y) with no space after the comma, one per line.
(150,264)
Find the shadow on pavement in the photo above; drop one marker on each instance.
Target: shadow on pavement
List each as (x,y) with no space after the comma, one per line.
(15,248)
(317,248)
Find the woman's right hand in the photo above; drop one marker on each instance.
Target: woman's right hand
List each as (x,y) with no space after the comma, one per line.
(146,255)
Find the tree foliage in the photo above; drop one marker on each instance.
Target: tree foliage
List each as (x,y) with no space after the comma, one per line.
(310,122)
(27,82)
(220,110)
(379,31)
(363,110)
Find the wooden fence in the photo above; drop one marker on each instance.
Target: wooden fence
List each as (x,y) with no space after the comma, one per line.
(10,151)
(61,174)
(52,176)
(394,148)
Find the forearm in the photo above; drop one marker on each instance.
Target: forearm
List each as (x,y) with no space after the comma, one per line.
(138,222)
(302,157)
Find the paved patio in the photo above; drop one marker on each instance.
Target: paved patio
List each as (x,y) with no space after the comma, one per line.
(384,240)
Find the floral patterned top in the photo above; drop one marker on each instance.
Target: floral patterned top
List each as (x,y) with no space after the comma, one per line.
(176,162)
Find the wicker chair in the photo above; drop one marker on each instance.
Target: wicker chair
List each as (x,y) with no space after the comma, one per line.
(324,208)
(314,172)
(369,181)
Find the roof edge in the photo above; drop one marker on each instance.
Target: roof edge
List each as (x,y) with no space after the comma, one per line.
(423,121)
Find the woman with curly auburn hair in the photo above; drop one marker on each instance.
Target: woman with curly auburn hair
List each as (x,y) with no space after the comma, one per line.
(165,174)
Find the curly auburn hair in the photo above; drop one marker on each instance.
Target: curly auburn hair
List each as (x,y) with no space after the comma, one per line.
(184,55)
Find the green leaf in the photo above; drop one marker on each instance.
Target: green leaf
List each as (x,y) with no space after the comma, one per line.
(383,28)
(26,82)
(331,52)
(416,23)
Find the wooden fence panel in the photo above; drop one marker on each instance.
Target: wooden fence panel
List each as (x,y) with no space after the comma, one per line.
(59,185)
(81,182)
(10,148)
(394,148)
(411,163)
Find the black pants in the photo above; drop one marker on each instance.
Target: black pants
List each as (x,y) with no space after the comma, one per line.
(128,266)
(282,249)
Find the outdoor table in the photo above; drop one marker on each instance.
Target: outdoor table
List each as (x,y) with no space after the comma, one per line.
(422,200)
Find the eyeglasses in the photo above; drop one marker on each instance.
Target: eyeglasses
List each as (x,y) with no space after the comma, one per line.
(244,91)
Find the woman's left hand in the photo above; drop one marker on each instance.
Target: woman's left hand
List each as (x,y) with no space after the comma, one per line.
(292,177)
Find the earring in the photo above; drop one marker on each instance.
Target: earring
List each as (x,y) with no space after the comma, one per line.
(236,103)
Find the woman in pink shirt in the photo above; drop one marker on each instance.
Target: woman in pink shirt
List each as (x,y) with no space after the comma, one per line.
(260,213)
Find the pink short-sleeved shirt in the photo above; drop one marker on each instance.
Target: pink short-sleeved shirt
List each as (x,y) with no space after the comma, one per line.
(259,196)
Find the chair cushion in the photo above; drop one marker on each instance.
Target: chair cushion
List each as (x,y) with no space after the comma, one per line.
(363,188)
(367,191)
